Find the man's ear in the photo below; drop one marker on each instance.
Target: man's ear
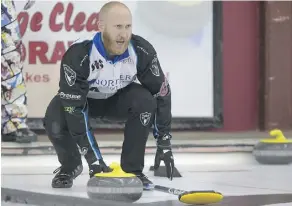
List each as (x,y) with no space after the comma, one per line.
(101,26)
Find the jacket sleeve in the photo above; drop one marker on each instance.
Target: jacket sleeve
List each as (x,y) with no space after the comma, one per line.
(73,89)
(153,78)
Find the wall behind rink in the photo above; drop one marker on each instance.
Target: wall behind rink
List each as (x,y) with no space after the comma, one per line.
(257,65)
(276,61)
(240,65)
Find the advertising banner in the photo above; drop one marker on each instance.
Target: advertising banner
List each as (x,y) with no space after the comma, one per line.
(181,32)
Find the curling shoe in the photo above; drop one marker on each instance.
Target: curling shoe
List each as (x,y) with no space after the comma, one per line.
(65,176)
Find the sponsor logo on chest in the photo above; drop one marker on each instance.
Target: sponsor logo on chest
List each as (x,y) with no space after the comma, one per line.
(112,76)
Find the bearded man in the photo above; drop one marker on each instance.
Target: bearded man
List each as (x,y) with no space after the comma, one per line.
(114,75)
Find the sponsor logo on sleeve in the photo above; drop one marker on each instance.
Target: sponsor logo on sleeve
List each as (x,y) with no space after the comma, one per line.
(70,75)
(164,89)
(154,67)
(69,96)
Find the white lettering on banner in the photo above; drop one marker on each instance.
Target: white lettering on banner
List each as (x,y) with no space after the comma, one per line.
(69,96)
(185,51)
(70,75)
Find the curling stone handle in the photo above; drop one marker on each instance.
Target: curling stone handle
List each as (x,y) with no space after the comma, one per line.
(278,134)
(116,168)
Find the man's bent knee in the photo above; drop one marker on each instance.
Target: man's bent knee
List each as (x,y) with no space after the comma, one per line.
(54,121)
(145,106)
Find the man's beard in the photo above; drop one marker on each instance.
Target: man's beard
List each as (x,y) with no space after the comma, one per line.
(111,45)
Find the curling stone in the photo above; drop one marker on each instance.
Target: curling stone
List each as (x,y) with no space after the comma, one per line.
(115,186)
(274,151)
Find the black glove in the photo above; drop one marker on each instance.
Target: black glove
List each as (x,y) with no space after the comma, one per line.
(98,168)
(164,153)
(104,167)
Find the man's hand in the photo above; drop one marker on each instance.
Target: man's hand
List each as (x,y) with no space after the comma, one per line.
(164,153)
(104,167)
(98,168)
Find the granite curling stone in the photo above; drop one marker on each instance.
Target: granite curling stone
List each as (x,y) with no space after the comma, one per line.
(277,151)
(115,186)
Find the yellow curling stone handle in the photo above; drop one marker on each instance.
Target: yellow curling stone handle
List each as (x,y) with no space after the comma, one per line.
(117,172)
(279,137)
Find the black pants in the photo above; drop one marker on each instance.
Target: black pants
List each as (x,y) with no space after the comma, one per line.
(134,104)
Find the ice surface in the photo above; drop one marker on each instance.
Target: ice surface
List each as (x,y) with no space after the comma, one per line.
(230,174)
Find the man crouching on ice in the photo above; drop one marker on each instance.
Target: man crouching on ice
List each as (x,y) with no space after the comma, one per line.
(117,75)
